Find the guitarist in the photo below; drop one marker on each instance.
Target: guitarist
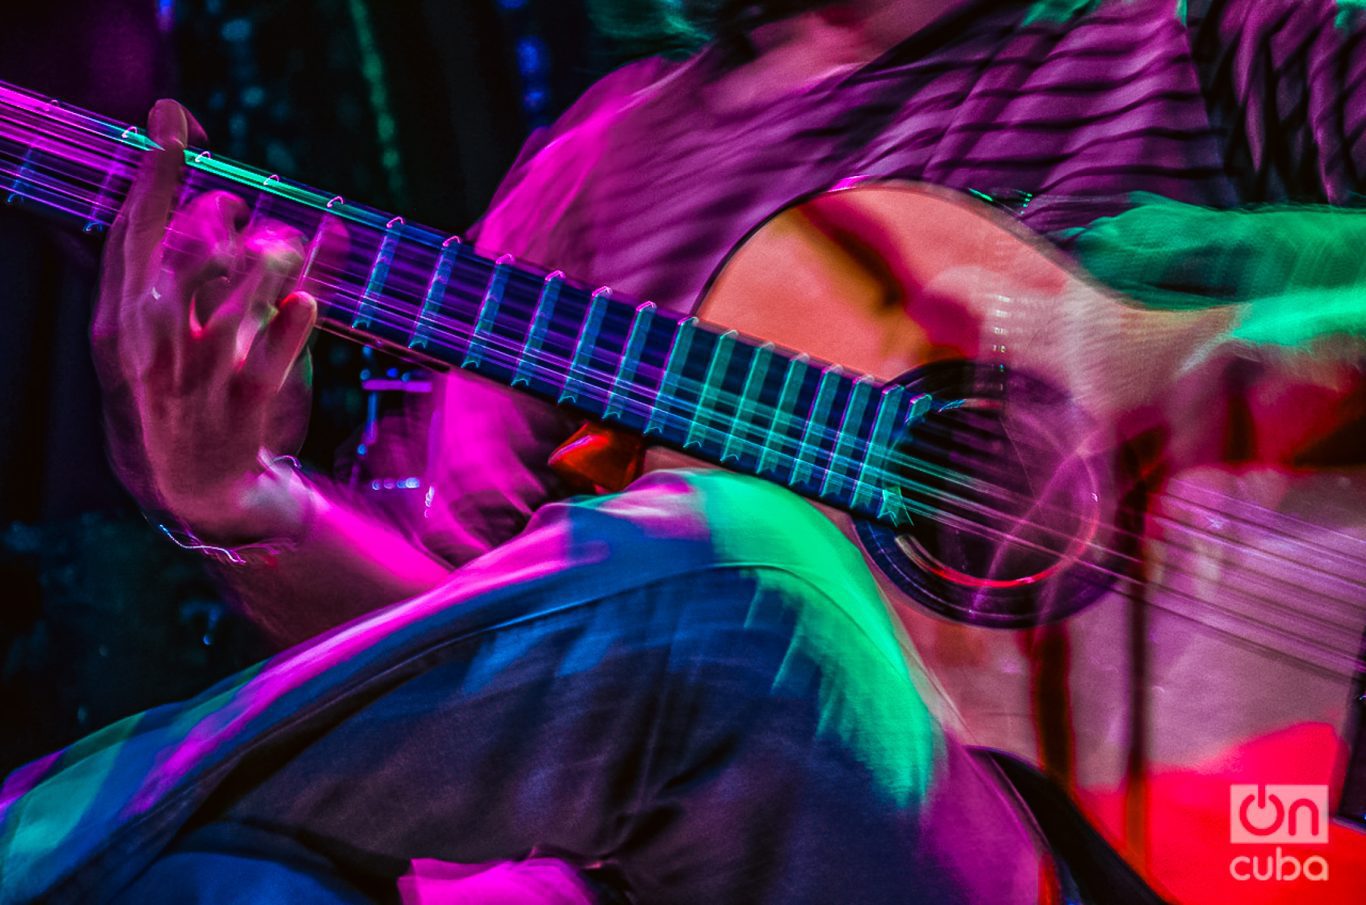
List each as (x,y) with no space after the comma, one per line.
(663,687)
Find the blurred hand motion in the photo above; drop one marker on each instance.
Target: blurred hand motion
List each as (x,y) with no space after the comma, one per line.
(1299,279)
(200,341)
(1295,268)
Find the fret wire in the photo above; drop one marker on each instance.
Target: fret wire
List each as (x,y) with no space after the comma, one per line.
(106,194)
(711,385)
(679,349)
(583,345)
(879,442)
(846,435)
(787,402)
(540,324)
(436,291)
(748,401)
(379,273)
(630,360)
(20,180)
(820,410)
(488,310)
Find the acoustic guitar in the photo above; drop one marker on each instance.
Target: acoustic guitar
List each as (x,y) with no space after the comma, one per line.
(1175,638)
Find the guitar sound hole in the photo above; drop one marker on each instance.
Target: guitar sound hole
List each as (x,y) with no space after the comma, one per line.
(1012,508)
(1017,522)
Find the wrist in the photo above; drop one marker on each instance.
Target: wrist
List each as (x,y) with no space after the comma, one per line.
(272,507)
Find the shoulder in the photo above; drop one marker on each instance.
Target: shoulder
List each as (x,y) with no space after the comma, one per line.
(557,159)
(619,88)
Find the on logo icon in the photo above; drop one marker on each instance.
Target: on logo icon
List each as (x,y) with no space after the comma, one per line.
(1265,814)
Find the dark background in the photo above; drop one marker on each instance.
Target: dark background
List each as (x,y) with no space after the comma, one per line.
(415,106)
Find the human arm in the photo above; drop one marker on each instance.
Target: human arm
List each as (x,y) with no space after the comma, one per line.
(198,344)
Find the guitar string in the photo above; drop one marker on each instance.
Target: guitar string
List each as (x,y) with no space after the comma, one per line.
(1271,576)
(1239,616)
(103,135)
(602,386)
(823,435)
(857,444)
(590,374)
(941,518)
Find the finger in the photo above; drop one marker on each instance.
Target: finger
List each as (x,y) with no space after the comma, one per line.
(272,356)
(202,249)
(288,421)
(142,220)
(272,256)
(325,254)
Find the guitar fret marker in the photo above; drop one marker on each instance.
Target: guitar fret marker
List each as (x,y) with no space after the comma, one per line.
(678,356)
(711,386)
(630,358)
(815,422)
(846,437)
(379,272)
(787,401)
(583,346)
(488,310)
(748,401)
(436,291)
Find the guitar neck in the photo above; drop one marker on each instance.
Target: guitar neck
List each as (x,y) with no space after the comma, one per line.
(719,396)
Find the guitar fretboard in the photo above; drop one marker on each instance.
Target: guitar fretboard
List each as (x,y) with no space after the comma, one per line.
(715,394)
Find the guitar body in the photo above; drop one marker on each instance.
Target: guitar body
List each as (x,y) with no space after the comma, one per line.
(1236,668)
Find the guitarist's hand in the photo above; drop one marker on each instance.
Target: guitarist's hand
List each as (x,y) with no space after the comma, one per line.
(199,344)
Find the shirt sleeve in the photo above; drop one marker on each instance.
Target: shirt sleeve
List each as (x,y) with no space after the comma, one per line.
(1285,81)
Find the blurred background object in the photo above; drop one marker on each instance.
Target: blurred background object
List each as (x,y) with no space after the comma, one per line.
(417,106)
